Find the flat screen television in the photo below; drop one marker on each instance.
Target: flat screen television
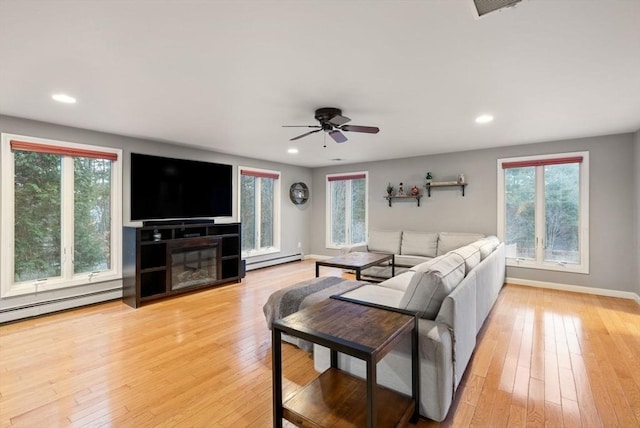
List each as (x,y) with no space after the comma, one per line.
(167,188)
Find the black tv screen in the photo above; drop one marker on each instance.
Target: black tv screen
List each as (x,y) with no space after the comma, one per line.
(167,188)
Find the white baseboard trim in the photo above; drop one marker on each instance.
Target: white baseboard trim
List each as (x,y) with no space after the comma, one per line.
(575,288)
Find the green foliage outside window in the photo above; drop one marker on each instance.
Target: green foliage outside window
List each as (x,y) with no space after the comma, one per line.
(561,211)
(348,211)
(37,216)
(257,212)
(92,220)
(38,251)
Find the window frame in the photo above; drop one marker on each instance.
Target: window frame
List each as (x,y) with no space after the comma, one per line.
(68,278)
(539,228)
(260,174)
(348,176)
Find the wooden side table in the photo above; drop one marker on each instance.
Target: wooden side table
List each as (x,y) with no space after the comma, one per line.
(359,329)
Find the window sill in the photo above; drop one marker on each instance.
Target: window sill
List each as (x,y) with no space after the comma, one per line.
(257,253)
(557,267)
(27,288)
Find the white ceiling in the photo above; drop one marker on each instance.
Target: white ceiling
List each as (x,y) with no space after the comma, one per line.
(226,75)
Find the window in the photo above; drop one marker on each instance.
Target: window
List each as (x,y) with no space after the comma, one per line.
(61,214)
(346,209)
(543,211)
(259,211)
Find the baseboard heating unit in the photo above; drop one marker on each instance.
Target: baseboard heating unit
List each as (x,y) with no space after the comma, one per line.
(273,261)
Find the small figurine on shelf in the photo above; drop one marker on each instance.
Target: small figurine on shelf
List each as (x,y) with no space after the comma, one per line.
(400,190)
(389,190)
(415,191)
(429,178)
(461,178)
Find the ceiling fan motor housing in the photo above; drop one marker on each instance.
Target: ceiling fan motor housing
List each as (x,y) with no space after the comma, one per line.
(325,114)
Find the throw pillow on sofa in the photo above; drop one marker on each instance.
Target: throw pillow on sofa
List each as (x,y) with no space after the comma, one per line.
(448,241)
(383,241)
(419,243)
(431,283)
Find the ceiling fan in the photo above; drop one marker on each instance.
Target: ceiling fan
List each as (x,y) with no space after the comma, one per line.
(333,122)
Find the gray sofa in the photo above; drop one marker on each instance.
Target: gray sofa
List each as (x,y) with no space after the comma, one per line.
(409,248)
(453,293)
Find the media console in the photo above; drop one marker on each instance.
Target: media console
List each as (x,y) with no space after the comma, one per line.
(161,260)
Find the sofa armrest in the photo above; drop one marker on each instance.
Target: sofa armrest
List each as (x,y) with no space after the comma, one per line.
(458,311)
(353,248)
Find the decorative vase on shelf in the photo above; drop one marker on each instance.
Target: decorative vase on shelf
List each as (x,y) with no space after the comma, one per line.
(461,178)
(429,178)
(389,190)
(400,190)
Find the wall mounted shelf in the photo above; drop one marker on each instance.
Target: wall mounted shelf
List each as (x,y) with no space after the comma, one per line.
(435,185)
(403,197)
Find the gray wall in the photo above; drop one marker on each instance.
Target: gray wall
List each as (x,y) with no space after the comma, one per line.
(637,212)
(295,220)
(614,210)
(613,196)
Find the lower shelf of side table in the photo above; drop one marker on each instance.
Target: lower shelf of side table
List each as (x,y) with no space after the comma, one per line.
(337,399)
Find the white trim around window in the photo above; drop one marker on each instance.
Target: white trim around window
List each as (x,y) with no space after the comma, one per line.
(261,174)
(7,219)
(350,236)
(536,260)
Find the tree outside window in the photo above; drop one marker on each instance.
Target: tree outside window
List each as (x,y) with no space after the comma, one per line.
(543,211)
(346,209)
(60,215)
(259,210)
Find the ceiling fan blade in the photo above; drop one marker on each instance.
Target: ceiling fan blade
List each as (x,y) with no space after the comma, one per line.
(301,126)
(356,128)
(337,136)
(338,120)
(305,134)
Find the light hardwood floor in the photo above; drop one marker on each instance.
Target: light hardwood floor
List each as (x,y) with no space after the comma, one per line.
(204,360)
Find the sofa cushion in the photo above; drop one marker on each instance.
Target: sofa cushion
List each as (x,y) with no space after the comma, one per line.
(376,295)
(471,256)
(448,241)
(398,282)
(419,243)
(384,241)
(431,283)
(486,245)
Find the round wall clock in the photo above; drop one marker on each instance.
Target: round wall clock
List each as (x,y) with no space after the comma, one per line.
(299,193)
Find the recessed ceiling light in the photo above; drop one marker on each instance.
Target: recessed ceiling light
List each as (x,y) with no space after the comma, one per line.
(484,118)
(292,151)
(64,98)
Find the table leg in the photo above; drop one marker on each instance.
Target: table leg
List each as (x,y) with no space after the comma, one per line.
(372,419)
(415,368)
(358,274)
(317,270)
(276,363)
(393,265)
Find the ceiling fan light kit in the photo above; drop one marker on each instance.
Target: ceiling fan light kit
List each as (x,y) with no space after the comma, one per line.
(333,123)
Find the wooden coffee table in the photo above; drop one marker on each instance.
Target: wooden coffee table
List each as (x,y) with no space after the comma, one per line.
(357,261)
(336,398)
